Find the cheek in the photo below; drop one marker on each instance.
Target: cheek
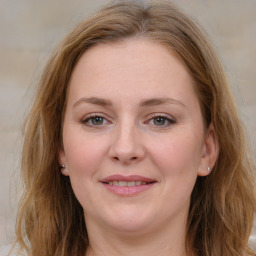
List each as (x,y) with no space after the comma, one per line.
(84,156)
(83,153)
(178,154)
(177,159)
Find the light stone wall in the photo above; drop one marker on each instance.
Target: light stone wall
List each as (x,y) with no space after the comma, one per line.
(29,30)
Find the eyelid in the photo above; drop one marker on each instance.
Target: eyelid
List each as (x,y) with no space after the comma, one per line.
(168,118)
(87,117)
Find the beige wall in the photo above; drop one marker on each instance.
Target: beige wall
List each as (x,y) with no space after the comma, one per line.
(29,29)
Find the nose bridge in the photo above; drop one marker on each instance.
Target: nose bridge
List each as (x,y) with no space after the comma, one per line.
(126,144)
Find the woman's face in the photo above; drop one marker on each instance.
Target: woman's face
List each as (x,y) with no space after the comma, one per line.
(134,138)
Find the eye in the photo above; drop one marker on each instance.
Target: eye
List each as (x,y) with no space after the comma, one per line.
(161,120)
(97,120)
(94,120)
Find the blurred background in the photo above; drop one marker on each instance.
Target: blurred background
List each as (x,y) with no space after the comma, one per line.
(29,31)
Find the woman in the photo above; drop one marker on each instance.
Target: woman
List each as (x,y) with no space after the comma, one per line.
(133,145)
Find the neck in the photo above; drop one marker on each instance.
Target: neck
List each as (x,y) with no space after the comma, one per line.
(161,243)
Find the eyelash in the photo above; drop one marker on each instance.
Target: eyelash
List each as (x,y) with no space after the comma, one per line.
(170,121)
(88,120)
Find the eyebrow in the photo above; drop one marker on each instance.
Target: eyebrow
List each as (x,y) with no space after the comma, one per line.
(143,103)
(93,100)
(160,101)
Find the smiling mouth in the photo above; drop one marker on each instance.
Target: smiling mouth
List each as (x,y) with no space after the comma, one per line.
(128,183)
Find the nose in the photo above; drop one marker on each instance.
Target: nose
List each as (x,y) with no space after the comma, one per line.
(126,146)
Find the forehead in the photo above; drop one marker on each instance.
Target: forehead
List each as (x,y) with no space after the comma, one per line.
(137,65)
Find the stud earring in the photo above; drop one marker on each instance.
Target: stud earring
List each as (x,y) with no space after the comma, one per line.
(64,169)
(208,169)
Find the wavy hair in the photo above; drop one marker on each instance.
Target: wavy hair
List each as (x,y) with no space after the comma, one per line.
(50,220)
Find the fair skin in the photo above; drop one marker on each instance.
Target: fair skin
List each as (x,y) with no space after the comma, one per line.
(132,112)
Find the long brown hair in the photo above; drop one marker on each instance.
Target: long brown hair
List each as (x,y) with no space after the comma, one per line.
(50,220)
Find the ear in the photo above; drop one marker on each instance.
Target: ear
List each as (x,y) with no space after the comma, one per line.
(210,152)
(63,161)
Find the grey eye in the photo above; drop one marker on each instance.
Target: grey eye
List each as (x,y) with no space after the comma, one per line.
(159,121)
(97,120)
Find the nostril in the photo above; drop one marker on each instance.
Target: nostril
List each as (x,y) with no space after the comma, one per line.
(116,158)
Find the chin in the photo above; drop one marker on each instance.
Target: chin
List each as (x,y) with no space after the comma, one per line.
(130,221)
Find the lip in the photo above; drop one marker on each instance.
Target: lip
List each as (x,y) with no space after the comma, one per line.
(128,190)
(119,177)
